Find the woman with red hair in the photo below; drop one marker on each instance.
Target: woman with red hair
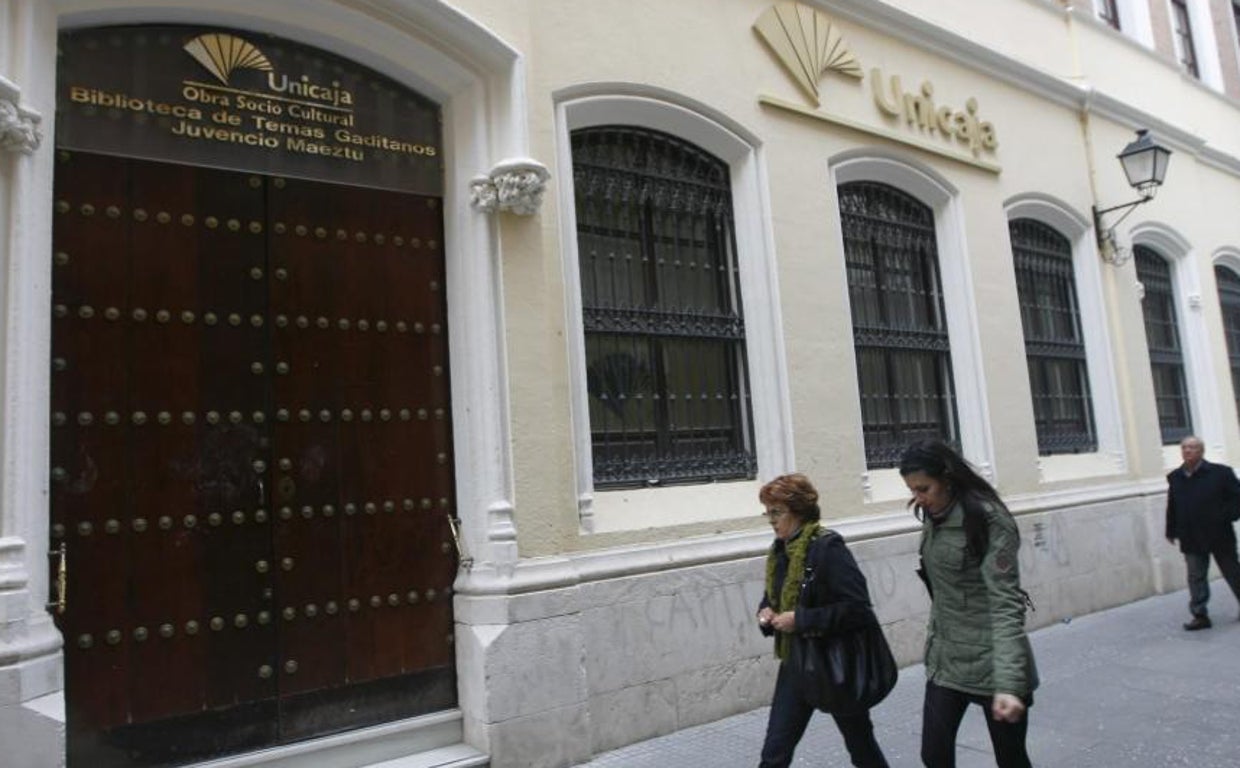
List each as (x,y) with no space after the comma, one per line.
(813,585)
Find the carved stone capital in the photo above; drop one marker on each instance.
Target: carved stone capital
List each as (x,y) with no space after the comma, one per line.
(520,185)
(514,185)
(19,127)
(482,194)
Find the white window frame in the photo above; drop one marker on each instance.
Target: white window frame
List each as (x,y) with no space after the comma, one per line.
(968,377)
(1194,336)
(1134,20)
(1110,458)
(1205,44)
(657,109)
(1229,257)
(1101,5)
(1233,13)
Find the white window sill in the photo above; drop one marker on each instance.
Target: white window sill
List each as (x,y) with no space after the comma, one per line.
(884,485)
(644,508)
(1078,466)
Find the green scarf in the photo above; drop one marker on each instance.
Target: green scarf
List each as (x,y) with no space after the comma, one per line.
(786,600)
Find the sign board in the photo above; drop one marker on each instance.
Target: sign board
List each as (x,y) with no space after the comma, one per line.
(243,101)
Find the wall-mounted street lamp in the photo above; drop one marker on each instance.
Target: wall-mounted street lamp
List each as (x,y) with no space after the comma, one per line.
(1145,165)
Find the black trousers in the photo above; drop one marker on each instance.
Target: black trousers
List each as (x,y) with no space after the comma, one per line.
(1198,563)
(789,717)
(941,715)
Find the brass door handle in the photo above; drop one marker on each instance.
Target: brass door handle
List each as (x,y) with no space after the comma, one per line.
(456,539)
(62,578)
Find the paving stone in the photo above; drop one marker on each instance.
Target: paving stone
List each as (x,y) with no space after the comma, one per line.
(1123,687)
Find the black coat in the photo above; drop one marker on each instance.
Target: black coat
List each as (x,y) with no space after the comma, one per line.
(836,598)
(1202,506)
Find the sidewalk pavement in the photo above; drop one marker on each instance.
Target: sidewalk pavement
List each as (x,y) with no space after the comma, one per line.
(1123,687)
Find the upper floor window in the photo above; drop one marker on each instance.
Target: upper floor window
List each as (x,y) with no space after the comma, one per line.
(1162,336)
(1054,345)
(1183,32)
(666,374)
(1229,300)
(1235,17)
(1108,12)
(904,369)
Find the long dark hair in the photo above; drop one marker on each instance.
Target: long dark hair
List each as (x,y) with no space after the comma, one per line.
(939,461)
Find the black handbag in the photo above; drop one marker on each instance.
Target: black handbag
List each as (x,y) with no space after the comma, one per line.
(844,673)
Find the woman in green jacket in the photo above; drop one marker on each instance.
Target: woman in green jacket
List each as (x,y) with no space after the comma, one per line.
(976,647)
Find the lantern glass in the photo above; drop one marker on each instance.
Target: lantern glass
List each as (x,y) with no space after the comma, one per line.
(1145,162)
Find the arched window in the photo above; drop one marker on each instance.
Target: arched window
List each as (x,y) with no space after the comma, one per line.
(664,333)
(1054,346)
(1229,300)
(1162,335)
(900,335)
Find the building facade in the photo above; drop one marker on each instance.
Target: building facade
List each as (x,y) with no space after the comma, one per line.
(397,378)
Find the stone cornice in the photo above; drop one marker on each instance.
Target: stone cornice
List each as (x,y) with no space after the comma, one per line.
(570,570)
(966,51)
(923,35)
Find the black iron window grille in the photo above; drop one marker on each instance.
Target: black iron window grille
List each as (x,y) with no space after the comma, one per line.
(1054,346)
(1182,28)
(1108,13)
(1162,336)
(661,308)
(904,369)
(1229,300)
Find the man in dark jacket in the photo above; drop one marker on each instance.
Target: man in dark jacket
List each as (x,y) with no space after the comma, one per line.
(1203,500)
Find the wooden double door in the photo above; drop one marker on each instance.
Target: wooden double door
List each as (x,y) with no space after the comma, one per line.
(251,459)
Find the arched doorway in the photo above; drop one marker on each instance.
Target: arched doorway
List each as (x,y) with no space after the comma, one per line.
(251,446)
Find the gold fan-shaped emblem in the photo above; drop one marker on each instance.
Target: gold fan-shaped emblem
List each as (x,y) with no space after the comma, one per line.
(221,54)
(807,43)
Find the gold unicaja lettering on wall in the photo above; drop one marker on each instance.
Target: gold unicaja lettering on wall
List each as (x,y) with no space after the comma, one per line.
(807,43)
(917,109)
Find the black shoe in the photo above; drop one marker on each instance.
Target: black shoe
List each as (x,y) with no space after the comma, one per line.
(1199,622)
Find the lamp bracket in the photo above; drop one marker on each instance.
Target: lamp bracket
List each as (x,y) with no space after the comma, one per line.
(1143,199)
(1108,245)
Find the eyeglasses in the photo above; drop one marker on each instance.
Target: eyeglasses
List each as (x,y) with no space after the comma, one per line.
(771,514)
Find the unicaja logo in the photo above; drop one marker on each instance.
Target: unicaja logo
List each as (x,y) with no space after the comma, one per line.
(807,43)
(220,54)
